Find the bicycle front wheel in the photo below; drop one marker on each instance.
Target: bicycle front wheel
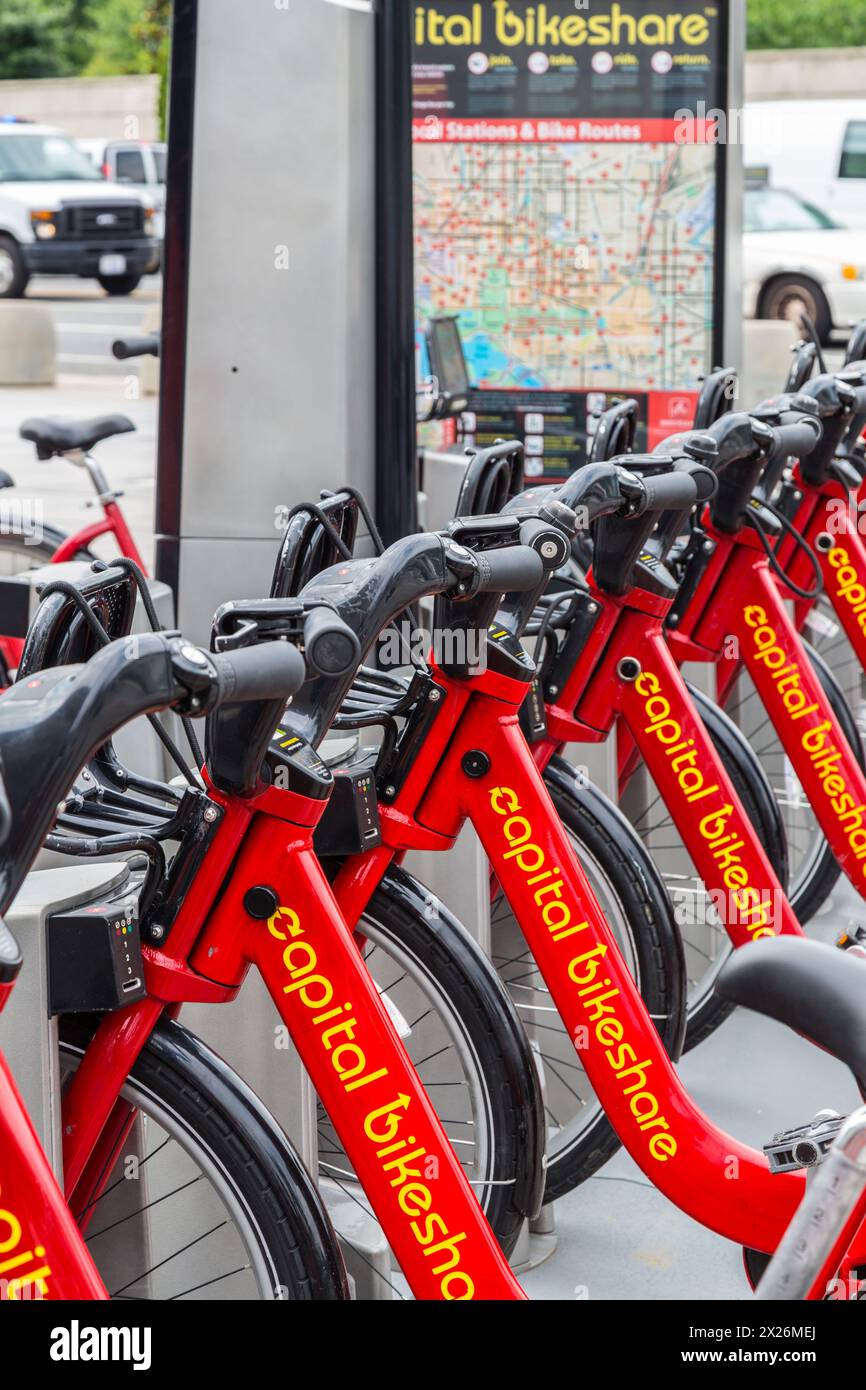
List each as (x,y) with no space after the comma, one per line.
(26,549)
(205,1199)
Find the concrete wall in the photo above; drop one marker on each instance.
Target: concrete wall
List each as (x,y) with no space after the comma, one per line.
(121,107)
(812,74)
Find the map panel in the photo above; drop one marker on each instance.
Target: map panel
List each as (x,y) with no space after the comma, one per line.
(572,266)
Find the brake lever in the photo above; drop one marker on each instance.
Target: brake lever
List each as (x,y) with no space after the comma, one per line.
(242,636)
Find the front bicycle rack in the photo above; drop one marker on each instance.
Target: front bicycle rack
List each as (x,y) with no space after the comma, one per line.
(111,810)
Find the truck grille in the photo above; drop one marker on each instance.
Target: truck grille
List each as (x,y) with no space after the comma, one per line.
(103,219)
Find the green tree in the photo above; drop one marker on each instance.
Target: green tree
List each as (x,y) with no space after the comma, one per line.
(129,36)
(807,23)
(118,40)
(35,38)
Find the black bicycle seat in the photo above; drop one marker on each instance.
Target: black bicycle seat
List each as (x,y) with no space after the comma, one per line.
(52,434)
(815,989)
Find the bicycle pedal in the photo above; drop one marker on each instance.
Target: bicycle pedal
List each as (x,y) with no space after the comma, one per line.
(805,1146)
(854,939)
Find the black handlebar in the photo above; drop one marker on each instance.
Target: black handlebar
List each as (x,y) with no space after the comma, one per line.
(269,671)
(513,570)
(146,346)
(797,439)
(332,648)
(856,349)
(808,985)
(678,489)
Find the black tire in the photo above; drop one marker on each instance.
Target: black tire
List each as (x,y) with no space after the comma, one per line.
(705,1010)
(119,284)
(17,553)
(789,296)
(178,1075)
(14,275)
(636,905)
(406,923)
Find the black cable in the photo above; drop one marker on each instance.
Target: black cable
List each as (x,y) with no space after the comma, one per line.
(361,502)
(140,579)
(809,594)
(60,586)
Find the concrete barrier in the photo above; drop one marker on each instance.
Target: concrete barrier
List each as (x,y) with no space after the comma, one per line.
(125,107)
(805,74)
(767,347)
(28,347)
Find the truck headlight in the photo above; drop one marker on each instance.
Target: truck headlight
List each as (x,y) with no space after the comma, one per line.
(149,225)
(44,226)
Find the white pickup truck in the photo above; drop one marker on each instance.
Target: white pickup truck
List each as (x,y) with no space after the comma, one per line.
(59,216)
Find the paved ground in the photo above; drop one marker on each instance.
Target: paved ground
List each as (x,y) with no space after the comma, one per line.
(87,320)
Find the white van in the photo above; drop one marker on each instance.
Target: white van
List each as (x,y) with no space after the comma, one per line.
(59,216)
(814,148)
(139,162)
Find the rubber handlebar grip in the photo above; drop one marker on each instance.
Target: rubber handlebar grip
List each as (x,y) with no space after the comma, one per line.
(515,569)
(331,646)
(670,492)
(797,440)
(147,346)
(269,671)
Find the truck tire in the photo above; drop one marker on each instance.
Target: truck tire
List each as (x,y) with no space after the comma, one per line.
(14,275)
(119,284)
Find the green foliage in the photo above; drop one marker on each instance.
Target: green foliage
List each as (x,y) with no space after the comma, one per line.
(35,38)
(128,36)
(807,23)
(96,38)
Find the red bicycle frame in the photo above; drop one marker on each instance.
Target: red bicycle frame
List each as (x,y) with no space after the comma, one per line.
(42,1253)
(113,523)
(828,517)
(739,598)
(344,1035)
